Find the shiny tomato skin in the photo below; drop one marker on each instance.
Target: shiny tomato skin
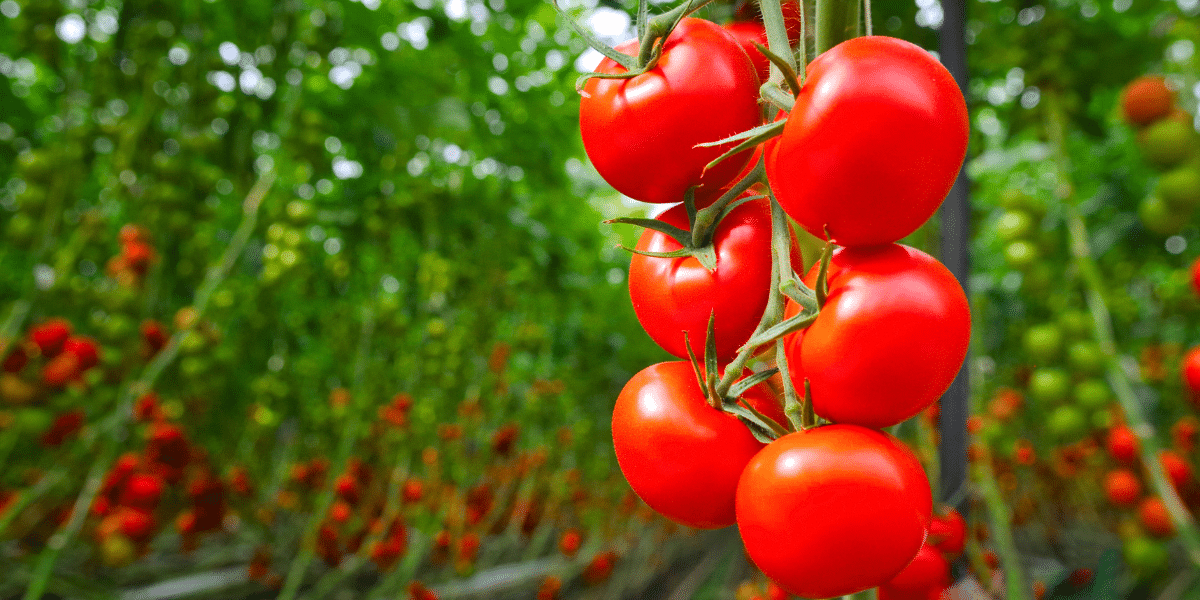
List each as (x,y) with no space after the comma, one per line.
(833,510)
(747,33)
(890,339)
(673,295)
(682,457)
(873,143)
(641,133)
(925,578)
(1190,369)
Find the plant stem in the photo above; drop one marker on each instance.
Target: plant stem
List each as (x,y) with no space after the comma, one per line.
(1010,559)
(1120,377)
(837,21)
(777,38)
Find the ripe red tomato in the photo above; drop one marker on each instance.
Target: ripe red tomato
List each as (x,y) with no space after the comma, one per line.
(674,295)
(681,456)
(1146,99)
(1155,518)
(889,340)
(948,533)
(641,133)
(873,143)
(833,510)
(925,578)
(1191,374)
(1122,487)
(1122,444)
(747,33)
(1196,276)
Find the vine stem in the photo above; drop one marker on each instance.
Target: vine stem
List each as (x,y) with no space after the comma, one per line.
(1120,377)
(777,37)
(837,21)
(1010,559)
(120,416)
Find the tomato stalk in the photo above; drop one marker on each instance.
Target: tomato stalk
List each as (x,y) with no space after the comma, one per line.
(1121,371)
(1010,558)
(837,21)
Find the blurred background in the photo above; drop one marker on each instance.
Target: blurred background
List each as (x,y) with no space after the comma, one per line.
(314,299)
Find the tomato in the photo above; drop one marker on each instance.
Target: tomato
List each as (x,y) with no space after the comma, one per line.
(1191,374)
(1154,517)
(1146,99)
(873,143)
(1122,444)
(925,578)
(1122,487)
(641,133)
(1049,385)
(682,457)
(747,33)
(1195,272)
(833,510)
(891,337)
(674,295)
(1177,469)
(1043,342)
(948,533)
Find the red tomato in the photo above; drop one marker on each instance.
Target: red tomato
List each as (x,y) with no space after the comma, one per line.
(50,335)
(674,295)
(925,578)
(641,133)
(1176,467)
(747,33)
(1122,444)
(948,533)
(681,456)
(833,510)
(873,143)
(1122,487)
(889,340)
(1191,374)
(1146,99)
(1155,518)
(85,349)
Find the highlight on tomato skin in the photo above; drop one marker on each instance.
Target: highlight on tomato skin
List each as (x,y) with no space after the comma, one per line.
(855,484)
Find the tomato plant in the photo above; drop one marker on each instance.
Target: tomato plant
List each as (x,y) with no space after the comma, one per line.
(682,456)
(641,133)
(873,143)
(889,340)
(833,510)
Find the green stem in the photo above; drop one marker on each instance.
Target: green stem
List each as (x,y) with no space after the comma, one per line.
(1010,559)
(837,21)
(1120,378)
(777,38)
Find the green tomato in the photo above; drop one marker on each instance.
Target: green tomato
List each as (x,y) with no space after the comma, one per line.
(1013,225)
(1167,143)
(1145,557)
(1180,188)
(1021,254)
(1159,217)
(1043,342)
(1102,419)
(1049,385)
(1085,356)
(1018,200)
(1092,394)
(1076,323)
(1067,423)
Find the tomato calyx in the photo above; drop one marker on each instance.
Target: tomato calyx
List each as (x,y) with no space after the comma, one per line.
(697,240)
(652,33)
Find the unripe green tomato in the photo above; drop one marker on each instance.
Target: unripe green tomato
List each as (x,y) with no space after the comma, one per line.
(1167,143)
(300,212)
(1092,394)
(1102,419)
(1043,342)
(1076,323)
(33,420)
(192,342)
(1018,200)
(1086,357)
(1049,385)
(1013,225)
(1180,188)
(1020,254)
(1161,218)
(193,366)
(117,327)
(1067,423)
(1146,557)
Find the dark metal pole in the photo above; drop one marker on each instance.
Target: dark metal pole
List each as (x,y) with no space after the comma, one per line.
(955,243)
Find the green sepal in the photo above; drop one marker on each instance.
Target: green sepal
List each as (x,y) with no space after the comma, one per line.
(742,386)
(770,130)
(780,329)
(710,356)
(789,73)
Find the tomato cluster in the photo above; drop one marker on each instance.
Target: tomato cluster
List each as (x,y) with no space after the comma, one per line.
(870,336)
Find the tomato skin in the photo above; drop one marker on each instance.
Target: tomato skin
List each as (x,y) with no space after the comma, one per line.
(673,295)
(640,133)
(873,143)
(682,457)
(1191,374)
(833,510)
(925,578)
(948,533)
(890,339)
